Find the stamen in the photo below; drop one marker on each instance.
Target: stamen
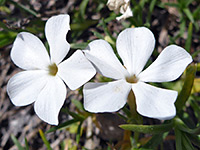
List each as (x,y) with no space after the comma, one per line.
(132,79)
(53,69)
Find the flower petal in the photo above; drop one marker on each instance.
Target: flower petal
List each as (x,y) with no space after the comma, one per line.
(106,97)
(169,65)
(50,100)
(101,54)
(126,11)
(154,102)
(28,52)
(76,70)
(24,87)
(56,31)
(135,46)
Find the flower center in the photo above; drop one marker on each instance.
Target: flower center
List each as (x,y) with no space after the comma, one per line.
(53,69)
(132,79)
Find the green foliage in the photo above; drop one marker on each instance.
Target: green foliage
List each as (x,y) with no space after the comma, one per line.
(187,87)
(17,143)
(44,139)
(148,129)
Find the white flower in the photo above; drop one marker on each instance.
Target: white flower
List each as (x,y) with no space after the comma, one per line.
(122,6)
(42,82)
(134,46)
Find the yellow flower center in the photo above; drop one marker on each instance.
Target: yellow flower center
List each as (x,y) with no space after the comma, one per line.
(132,79)
(53,69)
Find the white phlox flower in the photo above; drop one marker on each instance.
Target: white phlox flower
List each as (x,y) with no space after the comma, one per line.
(122,6)
(42,80)
(134,46)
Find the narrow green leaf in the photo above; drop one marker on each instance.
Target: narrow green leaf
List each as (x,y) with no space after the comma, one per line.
(98,35)
(172,4)
(106,30)
(178,139)
(187,87)
(151,8)
(74,115)
(83,6)
(26,144)
(79,45)
(155,141)
(78,135)
(194,139)
(188,14)
(188,2)
(78,104)
(186,142)
(46,142)
(21,6)
(189,37)
(2,2)
(183,127)
(150,129)
(83,26)
(6,38)
(17,143)
(62,126)
(182,27)
(196,13)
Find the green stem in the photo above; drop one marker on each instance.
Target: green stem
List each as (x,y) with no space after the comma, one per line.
(135,117)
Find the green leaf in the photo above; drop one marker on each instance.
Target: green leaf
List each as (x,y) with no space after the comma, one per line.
(79,45)
(155,141)
(151,8)
(83,6)
(188,14)
(178,139)
(186,142)
(74,115)
(78,104)
(63,125)
(172,5)
(46,142)
(26,144)
(150,129)
(189,37)
(78,135)
(98,35)
(105,27)
(2,2)
(6,38)
(187,87)
(26,9)
(17,143)
(83,26)
(194,139)
(183,127)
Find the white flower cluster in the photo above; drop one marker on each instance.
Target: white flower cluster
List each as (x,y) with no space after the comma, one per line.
(46,75)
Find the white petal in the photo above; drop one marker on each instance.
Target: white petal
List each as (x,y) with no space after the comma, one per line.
(106,97)
(76,70)
(154,102)
(28,52)
(56,31)
(50,100)
(24,87)
(101,54)
(126,12)
(135,46)
(169,65)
